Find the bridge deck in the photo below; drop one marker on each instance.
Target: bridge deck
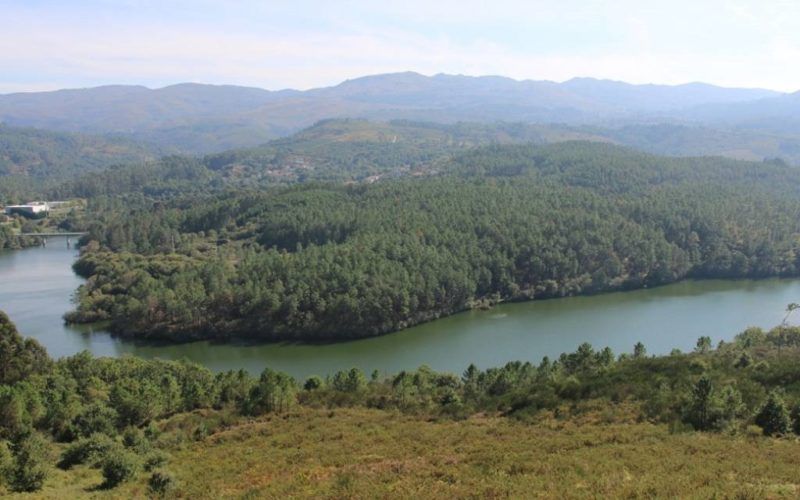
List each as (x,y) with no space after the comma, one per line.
(48,235)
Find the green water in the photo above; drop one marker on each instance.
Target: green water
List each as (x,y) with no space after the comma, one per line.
(36,286)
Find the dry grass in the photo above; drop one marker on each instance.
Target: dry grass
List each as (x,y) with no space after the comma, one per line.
(367,454)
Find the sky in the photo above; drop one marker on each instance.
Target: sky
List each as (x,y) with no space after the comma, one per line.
(275,44)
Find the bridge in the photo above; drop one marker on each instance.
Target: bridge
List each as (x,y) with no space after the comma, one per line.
(48,235)
(44,236)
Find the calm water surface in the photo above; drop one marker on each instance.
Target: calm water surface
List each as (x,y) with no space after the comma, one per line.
(36,286)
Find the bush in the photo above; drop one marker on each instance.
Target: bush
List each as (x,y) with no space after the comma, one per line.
(154,460)
(88,451)
(274,392)
(161,483)
(312,383)
(702,412)
(774,416)
(352,380)
(703,345)
(134,439)
(796,419)
(753,431)
(97,418)
(744,360)
(6,461)
(30,464)
(152,432)
(118,466)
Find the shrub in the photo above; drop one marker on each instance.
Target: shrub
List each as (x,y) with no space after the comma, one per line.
(744,360)
(753,336)
(118,466)
(703,345)
(732,409)
(702,412)
(753,431)
(89,451)
(154,460)
(761,367)
(352,380)
(796,419)
(97,418)
(152,432)
(6,461)
(134,439)
(30,463)
(774,416)
(274,392)
(161,483)
(201,432)
(312,383)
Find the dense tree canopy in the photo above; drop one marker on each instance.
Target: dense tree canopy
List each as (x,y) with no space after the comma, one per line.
(320,261)
(19,358)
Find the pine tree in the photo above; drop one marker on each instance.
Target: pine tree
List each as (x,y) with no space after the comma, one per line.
(774,416)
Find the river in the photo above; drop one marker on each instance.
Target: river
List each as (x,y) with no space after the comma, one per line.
(36,286)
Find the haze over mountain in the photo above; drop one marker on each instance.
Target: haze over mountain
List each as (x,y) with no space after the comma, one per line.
(775,114)
(196,118)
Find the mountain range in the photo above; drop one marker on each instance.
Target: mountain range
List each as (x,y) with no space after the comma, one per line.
(198,119)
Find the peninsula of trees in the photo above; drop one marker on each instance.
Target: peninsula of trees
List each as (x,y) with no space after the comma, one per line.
(498,223)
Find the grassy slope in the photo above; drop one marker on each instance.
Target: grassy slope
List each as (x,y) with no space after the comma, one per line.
(362,453)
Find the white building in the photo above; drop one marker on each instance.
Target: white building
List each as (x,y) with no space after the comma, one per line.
(30,209)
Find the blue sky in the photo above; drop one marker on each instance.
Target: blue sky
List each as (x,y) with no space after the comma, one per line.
(49,44)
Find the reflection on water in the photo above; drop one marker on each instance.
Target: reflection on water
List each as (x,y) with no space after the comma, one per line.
(36,286)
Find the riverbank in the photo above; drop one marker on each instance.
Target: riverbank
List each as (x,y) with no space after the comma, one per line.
(10,240)
(674,316)
(587,420)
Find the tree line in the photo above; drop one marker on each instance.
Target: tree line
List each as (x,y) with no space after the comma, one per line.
(124,415)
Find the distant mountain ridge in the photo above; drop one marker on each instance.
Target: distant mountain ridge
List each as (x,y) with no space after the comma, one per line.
(773,114)
(198,118)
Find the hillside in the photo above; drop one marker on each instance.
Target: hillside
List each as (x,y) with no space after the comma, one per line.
(684,140)
(197,118)
(354,453)
(356,150)
(40,154)
(360,150)
(346,150)
(185,117)
(717,422)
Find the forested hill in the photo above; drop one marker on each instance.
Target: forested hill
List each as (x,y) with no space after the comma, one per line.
(498,223)
(41,154)
(359,150)
(367,151)
(340,151)
(330,151)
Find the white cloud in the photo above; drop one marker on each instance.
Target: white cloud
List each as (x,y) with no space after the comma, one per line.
(653,44)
